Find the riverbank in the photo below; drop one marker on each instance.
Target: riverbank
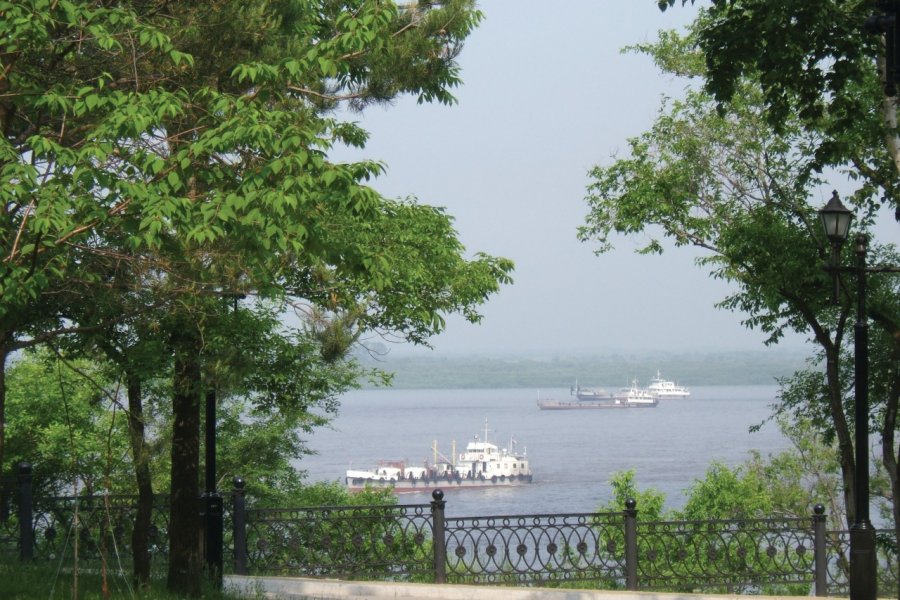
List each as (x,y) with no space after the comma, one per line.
(422,371)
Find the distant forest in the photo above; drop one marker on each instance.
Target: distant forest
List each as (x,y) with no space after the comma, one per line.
(612,371)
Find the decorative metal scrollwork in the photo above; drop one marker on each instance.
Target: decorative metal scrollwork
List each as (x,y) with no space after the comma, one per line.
(101,526)
(726,556)
(357,542)
(535,548)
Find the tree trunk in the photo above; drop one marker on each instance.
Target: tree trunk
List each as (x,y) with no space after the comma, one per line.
(889,114)
(842,431)
(184,522)
(140,535)
(890,459)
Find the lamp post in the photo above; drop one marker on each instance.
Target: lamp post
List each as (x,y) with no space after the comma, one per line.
(836,220)
(213,506)
(884,22)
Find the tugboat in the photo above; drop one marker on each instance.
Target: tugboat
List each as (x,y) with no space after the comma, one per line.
(483,464)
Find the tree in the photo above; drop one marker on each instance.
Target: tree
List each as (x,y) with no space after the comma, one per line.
(816,62)
(70,429)
(677,547)
(719,176)
(199,156)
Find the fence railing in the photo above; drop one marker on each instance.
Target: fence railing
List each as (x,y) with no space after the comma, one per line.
(419,543)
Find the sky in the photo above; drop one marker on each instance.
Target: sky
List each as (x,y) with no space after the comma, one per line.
(547,95)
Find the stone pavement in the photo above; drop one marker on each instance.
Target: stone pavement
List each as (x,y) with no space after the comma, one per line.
(296,588)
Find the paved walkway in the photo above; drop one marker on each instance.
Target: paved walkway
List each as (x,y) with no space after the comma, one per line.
(296,588)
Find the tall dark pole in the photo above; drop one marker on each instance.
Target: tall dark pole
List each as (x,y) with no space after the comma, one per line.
(213,501)
(863,561)
(210,441)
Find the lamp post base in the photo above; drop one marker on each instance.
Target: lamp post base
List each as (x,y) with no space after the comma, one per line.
(863,562)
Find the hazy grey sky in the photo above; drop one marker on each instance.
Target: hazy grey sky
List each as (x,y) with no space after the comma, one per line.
(547,95)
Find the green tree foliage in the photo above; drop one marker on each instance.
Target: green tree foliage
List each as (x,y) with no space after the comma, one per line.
(67,423)
(724,493)
(816,63)
(68,419)
(180,150)
(720,177)
(676,547)
(650,502)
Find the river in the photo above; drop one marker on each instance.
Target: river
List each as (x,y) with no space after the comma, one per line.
(572,453)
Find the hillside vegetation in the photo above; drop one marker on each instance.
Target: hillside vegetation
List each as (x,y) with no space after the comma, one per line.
(611,371)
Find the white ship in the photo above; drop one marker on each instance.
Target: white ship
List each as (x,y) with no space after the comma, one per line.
(663,389)
(483,464)
(636,396)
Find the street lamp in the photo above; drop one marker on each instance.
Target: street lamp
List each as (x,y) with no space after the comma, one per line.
(213,510)
(213,505)
(863,562)
(836,220)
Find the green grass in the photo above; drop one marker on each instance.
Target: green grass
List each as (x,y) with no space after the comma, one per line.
(39,582)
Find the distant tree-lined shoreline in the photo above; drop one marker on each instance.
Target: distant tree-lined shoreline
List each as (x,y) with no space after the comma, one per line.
(613,370)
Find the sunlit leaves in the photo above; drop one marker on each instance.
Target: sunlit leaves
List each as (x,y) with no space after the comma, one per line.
(135,147)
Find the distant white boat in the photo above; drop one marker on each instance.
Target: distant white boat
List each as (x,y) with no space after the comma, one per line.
(663,389)
(636,396)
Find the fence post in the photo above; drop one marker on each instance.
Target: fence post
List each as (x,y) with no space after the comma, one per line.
(239,524)
(631,554)
(26,517)
(438,534)
(819,552)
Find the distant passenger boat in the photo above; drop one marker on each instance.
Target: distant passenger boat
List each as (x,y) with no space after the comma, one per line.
(483,464)
(663,389)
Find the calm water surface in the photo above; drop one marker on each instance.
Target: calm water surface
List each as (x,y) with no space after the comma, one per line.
(572,453)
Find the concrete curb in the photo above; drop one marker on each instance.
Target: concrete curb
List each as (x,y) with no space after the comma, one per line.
(297,588)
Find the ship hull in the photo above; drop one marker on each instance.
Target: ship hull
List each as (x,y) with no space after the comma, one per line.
(592,396)
(423,485)
(582,405)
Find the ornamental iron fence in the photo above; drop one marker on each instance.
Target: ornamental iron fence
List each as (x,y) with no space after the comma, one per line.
(97,530)
(537,549)
(837,569)
(417,542)
(772,556)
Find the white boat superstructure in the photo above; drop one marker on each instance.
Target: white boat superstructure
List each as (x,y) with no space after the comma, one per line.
(636,395)
(484,460)
(483,464)
(663,389)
